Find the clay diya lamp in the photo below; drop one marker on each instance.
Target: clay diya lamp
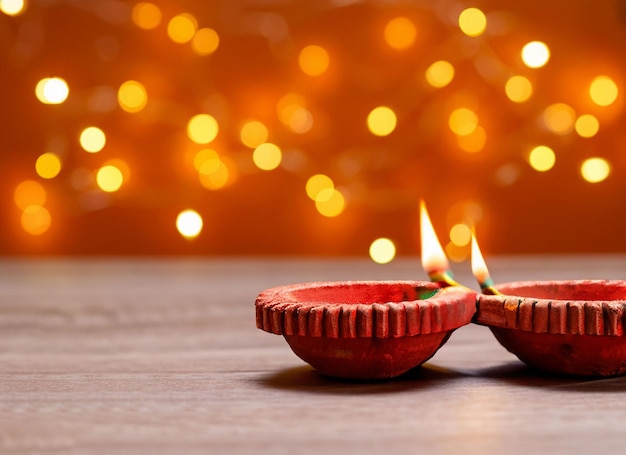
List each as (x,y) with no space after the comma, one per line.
(572,327)
(365,329)
(566,327)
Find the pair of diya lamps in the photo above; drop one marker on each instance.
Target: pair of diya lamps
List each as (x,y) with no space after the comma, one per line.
(382,329)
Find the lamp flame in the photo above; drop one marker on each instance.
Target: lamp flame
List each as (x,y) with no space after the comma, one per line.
(434,260)
(479,269)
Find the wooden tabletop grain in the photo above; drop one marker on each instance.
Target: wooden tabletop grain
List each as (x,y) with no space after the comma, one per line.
(163,356)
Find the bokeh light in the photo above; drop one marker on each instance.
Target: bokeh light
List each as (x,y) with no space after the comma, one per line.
(36,220)
(603,91)
(463,121)
(146,15)
(440,73)
(474,141)
(542,158)
(109,178)
(214,171)
(202,128)
(182,28)
(535,54)
(52,90)
(214,174)
(456,253)
(29,192)
(472,22)
(48,165)
(253,133)
(468,211)
(460,234)
(587,125)
(189,224)
(313,60)
(382,250)
(204,155)
(300,120)
(12,7)
(595,170)
(267,156)
(132,96)
(92,139)
(318,183)
(400,33)
(366,107)
(205,41)
(559,118)
(381,121)
(292,112)
(518,89)
(330,202)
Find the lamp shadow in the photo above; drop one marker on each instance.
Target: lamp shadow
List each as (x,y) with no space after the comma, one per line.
(518,373)
(306,379)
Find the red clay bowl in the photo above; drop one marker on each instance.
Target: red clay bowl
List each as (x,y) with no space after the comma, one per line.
(568,327)
(364,329)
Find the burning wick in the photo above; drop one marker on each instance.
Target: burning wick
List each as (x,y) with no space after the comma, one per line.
(434,260)
(480,271)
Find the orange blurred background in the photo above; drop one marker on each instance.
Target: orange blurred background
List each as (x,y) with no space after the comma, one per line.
(311,128)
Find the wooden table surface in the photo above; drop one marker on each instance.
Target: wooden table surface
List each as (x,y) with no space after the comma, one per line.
(162,355)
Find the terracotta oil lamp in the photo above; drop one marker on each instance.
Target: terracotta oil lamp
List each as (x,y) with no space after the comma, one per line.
(567,327)
(364,329)
(369,329)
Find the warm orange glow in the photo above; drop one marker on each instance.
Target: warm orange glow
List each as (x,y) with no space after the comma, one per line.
(479,267)
(120,114)
(434,259)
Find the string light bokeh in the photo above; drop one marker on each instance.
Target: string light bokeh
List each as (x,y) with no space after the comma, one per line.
(314,128)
